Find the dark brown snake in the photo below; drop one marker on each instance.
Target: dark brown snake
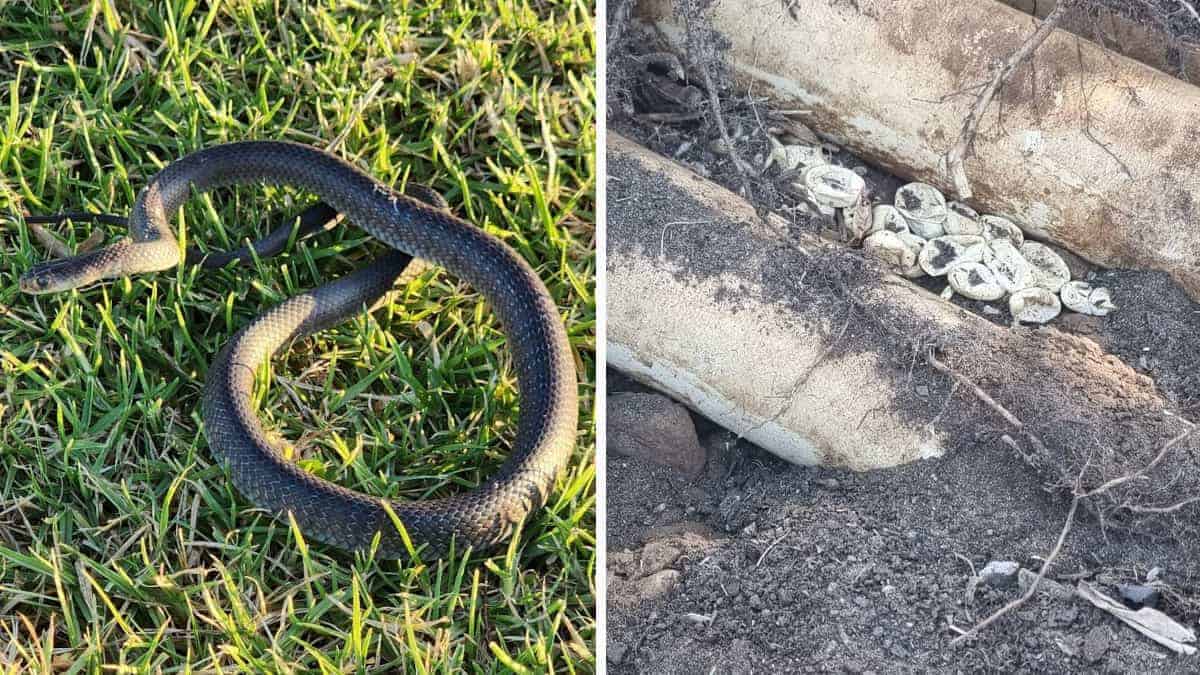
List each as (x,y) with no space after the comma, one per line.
(542,360)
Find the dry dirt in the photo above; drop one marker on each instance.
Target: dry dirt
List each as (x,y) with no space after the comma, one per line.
(833,571)
(760,565)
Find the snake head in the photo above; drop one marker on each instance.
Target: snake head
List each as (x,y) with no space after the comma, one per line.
(56,276)
(35,283)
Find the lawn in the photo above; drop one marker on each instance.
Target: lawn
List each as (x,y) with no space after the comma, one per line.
(123,546)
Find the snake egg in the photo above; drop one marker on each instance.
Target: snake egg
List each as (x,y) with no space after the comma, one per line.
(941,254)
(975,281)
(833,185)
(956,223)
(896,250)
(1082,297)
(924,207)
(1013,271)
(1050,271)
(792,157)
(997,227)
(886,217)
(1034,305)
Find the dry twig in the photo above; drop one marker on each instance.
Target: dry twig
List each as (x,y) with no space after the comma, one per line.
(954,158)
(1077,492)
(701,59)
(1033,587)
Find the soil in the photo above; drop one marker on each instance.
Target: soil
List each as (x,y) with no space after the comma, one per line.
(820,570)
(763,565)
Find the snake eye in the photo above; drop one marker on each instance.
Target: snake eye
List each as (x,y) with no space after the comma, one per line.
(42,281)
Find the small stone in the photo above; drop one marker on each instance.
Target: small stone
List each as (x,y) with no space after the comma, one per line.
(830,483)
(657,556)
(1138,595)
(616,653)
(756,602)
(733,588)
(750,530)
(654,428)
(658,584)
(1095,643)
(1000,573)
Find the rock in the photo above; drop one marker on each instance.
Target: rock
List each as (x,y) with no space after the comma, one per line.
(830,483)
(1138,595)
(616,653)
(654,428)
(1000,573)
(623,563)
(658,556)
(658,584)
(1095,643)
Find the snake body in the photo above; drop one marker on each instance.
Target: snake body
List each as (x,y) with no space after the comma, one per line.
(329,513)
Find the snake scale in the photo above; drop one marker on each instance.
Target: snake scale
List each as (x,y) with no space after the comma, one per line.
(544,366)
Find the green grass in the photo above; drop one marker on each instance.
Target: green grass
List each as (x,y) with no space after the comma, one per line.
(123,546)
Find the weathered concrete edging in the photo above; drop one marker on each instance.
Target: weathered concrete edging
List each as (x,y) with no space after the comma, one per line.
(1096,152)
(710,304)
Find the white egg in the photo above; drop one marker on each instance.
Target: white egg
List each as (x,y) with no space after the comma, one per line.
(1034,305)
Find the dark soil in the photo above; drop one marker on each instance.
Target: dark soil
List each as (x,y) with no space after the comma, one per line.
(820,570)
(783,567)
(1171,17)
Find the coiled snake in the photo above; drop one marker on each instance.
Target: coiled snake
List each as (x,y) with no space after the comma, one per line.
(544,366)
